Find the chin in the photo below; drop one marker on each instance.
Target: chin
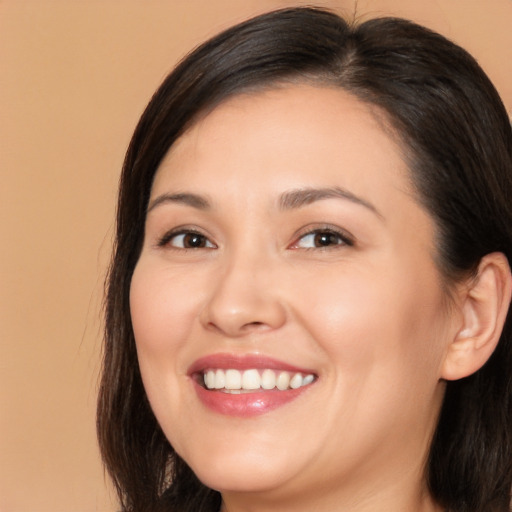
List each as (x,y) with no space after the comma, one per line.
(242,471)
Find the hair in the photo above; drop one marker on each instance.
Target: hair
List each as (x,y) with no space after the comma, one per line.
(457,141)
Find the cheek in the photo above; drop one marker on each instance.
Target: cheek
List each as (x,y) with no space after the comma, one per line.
(162,314)
(162,310)
(161,320)
(389,322)
(374,329)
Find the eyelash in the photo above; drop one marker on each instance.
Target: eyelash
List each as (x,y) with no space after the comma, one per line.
(343,237)
(167,238)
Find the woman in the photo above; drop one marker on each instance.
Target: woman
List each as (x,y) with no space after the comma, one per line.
(308,305)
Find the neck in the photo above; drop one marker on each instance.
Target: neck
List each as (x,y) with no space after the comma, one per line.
(398,496)
(422,505)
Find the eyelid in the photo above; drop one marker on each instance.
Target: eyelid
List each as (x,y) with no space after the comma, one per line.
(345,236)
(164,240)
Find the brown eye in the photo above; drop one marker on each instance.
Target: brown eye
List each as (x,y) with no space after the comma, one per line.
(190,240)
(321,239)
(326,239)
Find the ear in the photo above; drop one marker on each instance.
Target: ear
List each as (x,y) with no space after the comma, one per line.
(484,305)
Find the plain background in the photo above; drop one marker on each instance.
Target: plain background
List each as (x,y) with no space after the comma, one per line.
(75,76)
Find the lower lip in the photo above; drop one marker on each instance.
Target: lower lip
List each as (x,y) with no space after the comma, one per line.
(246,405)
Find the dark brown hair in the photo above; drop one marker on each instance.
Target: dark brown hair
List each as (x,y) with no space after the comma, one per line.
(457,139)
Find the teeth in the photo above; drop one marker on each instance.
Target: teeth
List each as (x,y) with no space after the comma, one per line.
(209,379)
(220,379)
(296,381)
(251,379)
(235,381)
(308,379)
(268,379)
(283,381)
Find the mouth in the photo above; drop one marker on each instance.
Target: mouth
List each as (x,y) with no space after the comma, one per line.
(248,385)
(253,380)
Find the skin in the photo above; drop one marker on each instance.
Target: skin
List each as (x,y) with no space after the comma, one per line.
(369,317)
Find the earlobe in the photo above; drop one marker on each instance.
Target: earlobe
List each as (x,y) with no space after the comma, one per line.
(484,308)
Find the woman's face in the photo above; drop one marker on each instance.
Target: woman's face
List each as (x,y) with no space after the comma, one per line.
(285,247)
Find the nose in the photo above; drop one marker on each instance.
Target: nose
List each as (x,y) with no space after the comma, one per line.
(245,298)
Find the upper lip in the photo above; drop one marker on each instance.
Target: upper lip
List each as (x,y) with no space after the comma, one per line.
(243,362)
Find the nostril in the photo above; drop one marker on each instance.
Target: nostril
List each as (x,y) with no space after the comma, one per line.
(255,326)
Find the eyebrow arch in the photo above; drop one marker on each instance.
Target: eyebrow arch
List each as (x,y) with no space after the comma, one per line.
(304,196)
(186,198)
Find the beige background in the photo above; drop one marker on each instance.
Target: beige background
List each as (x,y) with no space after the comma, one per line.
(74,77)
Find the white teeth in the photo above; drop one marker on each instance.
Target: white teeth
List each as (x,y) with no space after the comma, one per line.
(209,379)
(296,381)
(308,379)
(251,379)
(220,379)
(283,381)
(268,379)
(233,379)
(236,381)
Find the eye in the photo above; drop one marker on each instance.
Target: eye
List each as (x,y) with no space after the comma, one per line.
(322,238)
(186,240)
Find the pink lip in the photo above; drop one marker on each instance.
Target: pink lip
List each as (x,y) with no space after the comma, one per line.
(243,405)
(243,362)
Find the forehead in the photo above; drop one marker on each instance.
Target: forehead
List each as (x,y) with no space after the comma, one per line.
(290,137)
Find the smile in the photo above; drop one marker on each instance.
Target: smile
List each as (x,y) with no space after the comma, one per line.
(253,380)
(248,385)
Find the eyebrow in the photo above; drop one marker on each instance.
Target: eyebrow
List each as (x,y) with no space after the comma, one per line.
(304,196)
(290,200)
(194,200)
